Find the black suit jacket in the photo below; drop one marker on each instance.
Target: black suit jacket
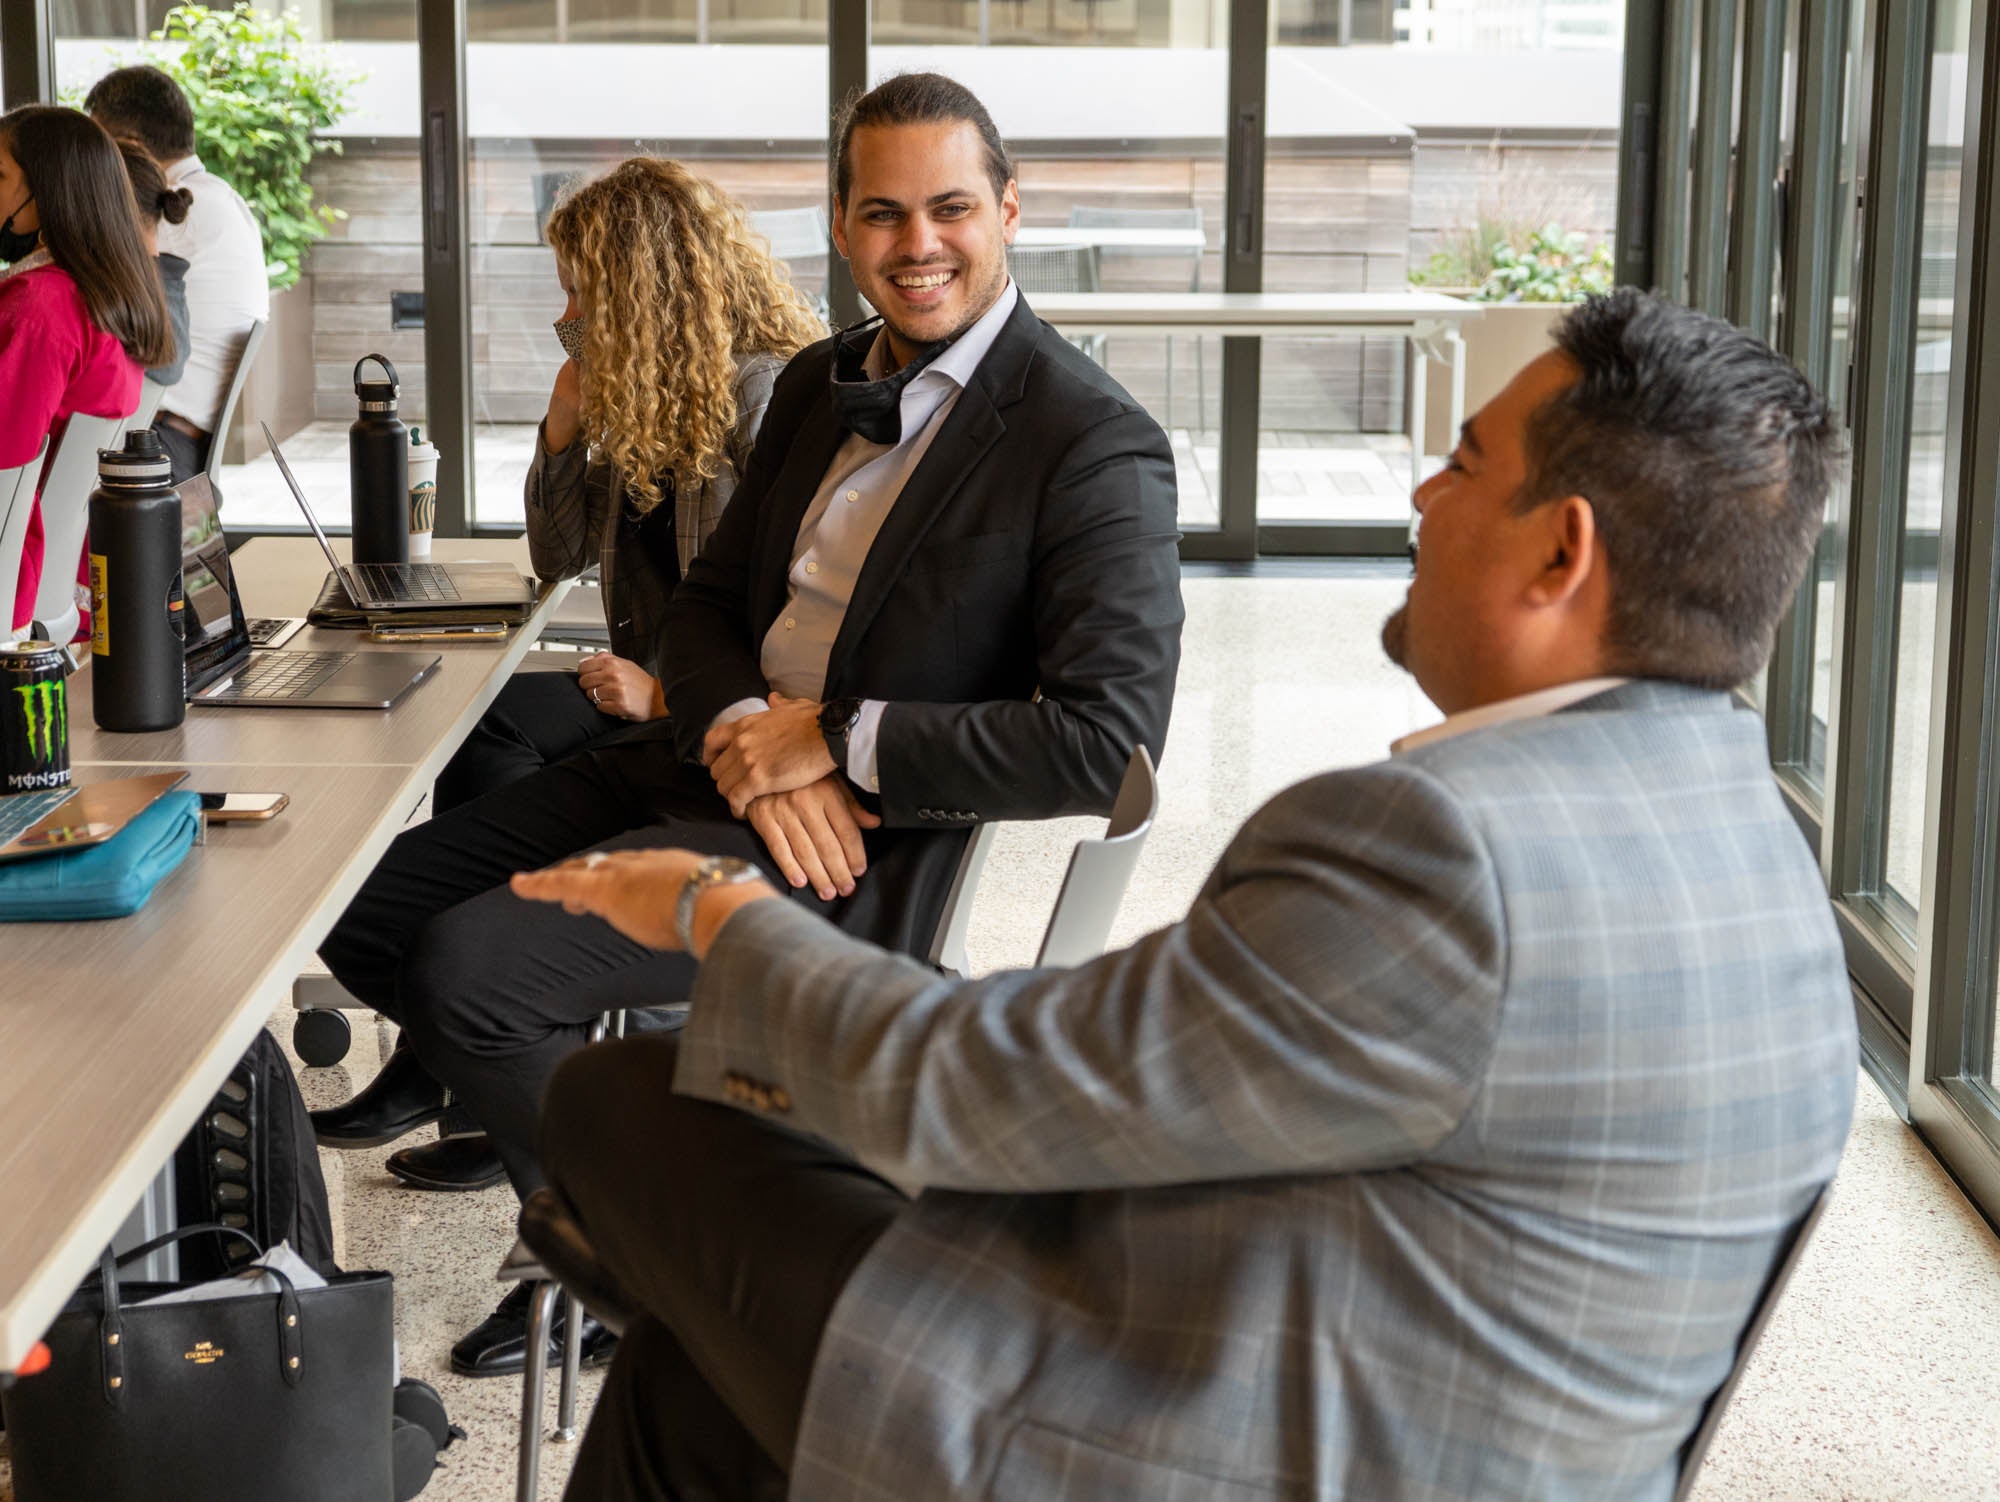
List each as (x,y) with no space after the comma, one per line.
(1034,547)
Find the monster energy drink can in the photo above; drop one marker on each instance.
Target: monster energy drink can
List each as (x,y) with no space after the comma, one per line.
(34,718)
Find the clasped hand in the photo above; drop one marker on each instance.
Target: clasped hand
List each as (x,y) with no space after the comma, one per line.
(814,834)
(778,750)
(776,771)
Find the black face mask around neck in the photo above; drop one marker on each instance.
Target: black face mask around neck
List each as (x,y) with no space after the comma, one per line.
(872,409)
(16,244)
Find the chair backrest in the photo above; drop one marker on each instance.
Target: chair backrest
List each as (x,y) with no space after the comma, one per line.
(17,504)
(948,948)
(1054,268)
(150,392)
(252,342)
(66,518)
(795,234)
(548,188)
(1089,216)
(1100,870)
(1697,1445)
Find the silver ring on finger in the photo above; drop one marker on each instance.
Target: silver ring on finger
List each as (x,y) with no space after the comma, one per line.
(595,700)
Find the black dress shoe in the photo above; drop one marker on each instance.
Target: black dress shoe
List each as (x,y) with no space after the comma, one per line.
(499,1346)
(401,1098)
(450,1165)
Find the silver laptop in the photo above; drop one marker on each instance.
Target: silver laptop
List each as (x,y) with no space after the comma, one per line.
(222,669)
(398,587)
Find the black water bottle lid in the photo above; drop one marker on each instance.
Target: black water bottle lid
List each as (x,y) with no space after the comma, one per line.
(142,461)
(376,396)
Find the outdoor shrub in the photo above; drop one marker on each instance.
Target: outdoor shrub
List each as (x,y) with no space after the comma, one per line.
(1553,267)
(259,97)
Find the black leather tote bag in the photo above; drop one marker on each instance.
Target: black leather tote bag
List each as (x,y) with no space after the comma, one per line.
(276,1397)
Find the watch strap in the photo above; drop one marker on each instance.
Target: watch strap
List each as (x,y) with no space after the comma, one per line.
(715,871)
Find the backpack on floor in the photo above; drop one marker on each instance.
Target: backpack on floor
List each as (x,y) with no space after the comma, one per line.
(252,1162)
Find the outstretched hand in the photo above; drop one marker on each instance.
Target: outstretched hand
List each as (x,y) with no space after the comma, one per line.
(632,890)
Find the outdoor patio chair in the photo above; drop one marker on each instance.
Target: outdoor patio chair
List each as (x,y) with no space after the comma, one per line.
(1089,216)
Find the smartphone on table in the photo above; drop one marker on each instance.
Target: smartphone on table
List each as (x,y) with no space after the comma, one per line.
(462,631)
(229,808)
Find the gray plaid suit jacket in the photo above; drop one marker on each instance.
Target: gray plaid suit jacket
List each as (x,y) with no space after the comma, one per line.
(1440,1152)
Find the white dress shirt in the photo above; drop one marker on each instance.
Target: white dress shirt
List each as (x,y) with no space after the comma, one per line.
(859,490)
(228,288)
(1521,707)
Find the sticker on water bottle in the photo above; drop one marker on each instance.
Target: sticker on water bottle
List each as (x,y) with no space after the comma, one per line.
(100,606)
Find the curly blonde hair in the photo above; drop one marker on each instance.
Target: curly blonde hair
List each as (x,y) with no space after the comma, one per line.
(674,287)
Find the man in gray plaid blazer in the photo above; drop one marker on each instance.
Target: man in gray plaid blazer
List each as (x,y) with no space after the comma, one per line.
(1441,1151)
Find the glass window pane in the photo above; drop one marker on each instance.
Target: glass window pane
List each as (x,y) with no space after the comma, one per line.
(1403,159)
(1120,171)
(377,20)
(1923,501)
(1818,590)
(544,115)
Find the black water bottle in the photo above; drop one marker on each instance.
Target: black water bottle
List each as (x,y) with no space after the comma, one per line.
(378,470)
(138,665)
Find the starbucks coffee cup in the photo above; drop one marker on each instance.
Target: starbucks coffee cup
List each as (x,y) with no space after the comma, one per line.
(423,493)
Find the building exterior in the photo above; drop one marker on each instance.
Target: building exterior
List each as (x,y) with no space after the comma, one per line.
(1510,25)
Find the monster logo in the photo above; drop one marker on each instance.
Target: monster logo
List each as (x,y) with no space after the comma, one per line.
(45,711)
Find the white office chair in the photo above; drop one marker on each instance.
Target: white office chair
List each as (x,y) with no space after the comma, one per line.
(245,357)
(1093,886)
(66,518)
(150,392)
(17,504)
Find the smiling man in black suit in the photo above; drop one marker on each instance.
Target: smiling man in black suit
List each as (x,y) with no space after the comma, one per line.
(946,592)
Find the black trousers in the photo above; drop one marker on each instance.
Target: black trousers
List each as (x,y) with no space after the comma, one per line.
(705,1395)
(538,719)
(493,992)
(188,456)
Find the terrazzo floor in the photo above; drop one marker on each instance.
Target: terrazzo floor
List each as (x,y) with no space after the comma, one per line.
(1878,1379)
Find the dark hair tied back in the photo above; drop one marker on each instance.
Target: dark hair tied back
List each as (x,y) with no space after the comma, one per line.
(89,223)
(174,205)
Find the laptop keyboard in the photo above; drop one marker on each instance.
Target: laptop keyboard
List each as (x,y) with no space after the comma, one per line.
(20,812)
(285,675)
(265,629)
(414,582)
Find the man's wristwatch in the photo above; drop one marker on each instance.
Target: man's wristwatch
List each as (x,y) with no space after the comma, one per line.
(836,720)
(716,871)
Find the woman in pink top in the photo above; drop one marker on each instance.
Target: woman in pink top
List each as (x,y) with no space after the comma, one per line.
(81,311)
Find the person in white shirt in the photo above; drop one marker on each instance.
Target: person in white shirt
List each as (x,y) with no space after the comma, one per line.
(228,288)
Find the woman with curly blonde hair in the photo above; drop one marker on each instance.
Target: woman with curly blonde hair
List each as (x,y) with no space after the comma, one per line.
(677,323)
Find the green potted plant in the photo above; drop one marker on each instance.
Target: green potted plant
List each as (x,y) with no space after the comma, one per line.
(1525,280)
(260,100)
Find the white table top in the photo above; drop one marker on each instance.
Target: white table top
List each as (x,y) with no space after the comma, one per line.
(113,1034)
(1109,237)
(1252,313)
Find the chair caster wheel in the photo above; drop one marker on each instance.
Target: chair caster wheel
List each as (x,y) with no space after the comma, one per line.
(322,1038)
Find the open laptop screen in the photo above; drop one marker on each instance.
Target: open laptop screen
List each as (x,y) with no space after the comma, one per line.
(216,631)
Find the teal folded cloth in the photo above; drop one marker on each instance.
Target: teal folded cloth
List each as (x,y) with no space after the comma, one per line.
(103,881)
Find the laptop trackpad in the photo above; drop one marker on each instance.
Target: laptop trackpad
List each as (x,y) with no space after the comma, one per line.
(378,678)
